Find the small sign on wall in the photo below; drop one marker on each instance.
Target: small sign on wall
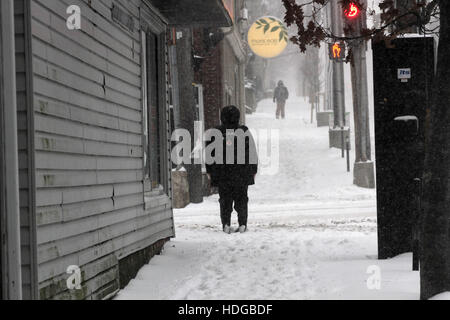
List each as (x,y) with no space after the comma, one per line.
(404,74)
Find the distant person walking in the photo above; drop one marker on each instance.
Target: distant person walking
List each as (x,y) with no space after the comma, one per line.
(281,94)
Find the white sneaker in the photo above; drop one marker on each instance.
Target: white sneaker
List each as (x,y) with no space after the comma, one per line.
(243,229)
(227,229)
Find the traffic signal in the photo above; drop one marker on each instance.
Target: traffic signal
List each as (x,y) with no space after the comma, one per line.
(336,51)
(353,17)
(352,11)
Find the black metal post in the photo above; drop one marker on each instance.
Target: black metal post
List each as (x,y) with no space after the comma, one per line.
(418,202)
(347,143)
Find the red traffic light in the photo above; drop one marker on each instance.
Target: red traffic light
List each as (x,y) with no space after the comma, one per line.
(352,11)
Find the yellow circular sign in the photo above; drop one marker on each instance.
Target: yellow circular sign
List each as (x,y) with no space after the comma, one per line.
(268,37)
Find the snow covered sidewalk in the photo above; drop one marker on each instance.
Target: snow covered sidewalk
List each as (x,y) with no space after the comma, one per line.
(312,233)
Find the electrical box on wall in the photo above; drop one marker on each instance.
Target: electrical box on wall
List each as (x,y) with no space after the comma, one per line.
(403,74)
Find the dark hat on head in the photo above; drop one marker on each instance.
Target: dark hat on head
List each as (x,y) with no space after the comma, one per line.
(230,117)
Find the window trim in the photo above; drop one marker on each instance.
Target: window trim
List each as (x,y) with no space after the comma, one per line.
(163,186)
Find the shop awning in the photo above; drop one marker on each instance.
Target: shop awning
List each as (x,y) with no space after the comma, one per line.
(194,13)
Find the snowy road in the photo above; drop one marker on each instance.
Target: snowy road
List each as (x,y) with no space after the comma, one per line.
(312,233)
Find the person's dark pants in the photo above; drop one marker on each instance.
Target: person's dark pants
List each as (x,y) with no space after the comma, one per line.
(281,109)
(237,195)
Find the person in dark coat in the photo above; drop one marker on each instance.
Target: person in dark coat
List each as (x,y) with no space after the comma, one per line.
(280,95)
(234,176)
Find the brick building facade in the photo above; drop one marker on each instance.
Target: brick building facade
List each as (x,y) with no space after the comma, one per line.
(220,67)
(209,74)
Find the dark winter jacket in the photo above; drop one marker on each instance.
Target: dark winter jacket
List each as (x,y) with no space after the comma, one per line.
(239,172)
(281,94)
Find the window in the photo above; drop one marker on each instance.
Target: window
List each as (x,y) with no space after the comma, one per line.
(228,95)
(152,120)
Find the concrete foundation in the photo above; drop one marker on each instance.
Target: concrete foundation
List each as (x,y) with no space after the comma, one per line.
(206,185)
(364,175)
(130,266)
(180,187)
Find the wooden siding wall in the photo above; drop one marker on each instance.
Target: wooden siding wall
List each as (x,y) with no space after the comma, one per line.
(25,146)
(88,139)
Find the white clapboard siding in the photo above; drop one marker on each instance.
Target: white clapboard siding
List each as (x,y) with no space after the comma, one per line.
(89,271)
(64,144)
(74,244)
(82,257)
(90,207)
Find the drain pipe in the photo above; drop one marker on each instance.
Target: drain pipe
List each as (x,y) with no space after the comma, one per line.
(11,261)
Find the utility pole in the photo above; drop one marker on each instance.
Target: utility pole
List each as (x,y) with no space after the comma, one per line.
(338,70)
(364,167)
(187,112)
(339,133)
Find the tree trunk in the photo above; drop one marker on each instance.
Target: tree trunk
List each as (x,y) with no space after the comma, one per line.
(435,237)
